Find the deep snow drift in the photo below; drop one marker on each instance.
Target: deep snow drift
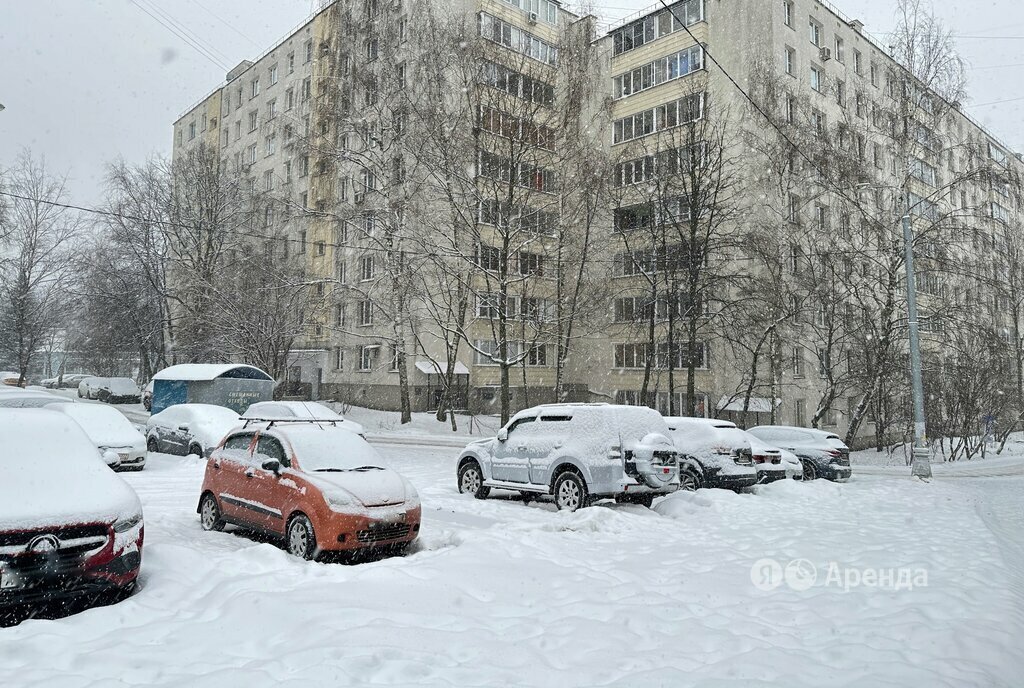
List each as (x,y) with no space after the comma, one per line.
(499,593)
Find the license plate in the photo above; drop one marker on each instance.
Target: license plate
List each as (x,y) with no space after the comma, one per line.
(10,580)
(123,457)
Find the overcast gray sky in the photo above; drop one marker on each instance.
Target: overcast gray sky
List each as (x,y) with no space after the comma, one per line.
(86,82)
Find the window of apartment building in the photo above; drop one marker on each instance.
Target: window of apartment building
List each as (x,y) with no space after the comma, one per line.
(238,96)
(369,223)
(304,204)
(366,268)
(631,356)
(922,171)
(798,362)
(252,185)
(840,53)
(191,131)
(339,315)
(367,182)
(787,13)
(289,99)
(874,75)
(309,51)
(794,209)
(662,70)
(226,137)
(366,356)
(273,75)
(321,249)
(253,154)
(818,123)
(503,33)
(401,75)
(655,26)
(861,107)
(790,109)
(291,63)
(879,156)
(372,49)
(270,144)
(303,166)
(254,119)
(305,126)
(858,63)
(342,275)
(841,93)
(302,239)
(815,32)
(372,9)
(307,88)
(668,116)
(817,78)
(255,88)
(790,61)
(821,217)
(488,305)
(272,109)
(339,358)
(531,264)
(489,258)
(370,94)
(999,212)
(365,313)
(268,180)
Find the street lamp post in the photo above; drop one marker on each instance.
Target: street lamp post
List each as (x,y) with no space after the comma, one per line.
(921,466)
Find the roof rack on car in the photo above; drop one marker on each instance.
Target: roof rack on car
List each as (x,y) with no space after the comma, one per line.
(277,421)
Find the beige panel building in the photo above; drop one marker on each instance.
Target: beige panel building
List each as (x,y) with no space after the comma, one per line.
(313,119)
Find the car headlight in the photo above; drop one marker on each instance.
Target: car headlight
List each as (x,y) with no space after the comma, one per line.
(412,497)
(126,524)
(338,498)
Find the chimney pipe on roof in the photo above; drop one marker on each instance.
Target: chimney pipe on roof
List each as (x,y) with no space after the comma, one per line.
(857,25)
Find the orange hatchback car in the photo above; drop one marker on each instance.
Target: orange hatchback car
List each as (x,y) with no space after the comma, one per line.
(320,487)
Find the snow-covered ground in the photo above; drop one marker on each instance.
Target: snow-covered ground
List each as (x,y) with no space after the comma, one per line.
(499,593)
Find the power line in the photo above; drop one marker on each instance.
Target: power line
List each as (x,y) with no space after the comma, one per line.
(223,21)
(195,46)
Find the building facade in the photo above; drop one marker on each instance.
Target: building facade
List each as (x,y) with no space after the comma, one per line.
(439,168)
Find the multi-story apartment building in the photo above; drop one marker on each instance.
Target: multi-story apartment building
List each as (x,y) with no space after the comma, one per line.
(347,122)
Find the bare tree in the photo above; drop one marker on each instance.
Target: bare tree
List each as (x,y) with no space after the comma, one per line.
(39,238)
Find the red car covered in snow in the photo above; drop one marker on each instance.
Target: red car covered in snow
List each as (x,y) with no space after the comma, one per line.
(71,530)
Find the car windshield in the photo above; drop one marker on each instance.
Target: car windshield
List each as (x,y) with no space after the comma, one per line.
(330,449)
(119,385)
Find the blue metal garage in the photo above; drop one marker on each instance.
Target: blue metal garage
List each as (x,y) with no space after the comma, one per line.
(229,385)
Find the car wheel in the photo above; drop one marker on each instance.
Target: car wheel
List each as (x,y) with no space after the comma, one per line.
(471,480)
(209,513)
(195,449)
(690,481)
(80,394)
(571,492)
(301,538)
(810,472)
(152,446)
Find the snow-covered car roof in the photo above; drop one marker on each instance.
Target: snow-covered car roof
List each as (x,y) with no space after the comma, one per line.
(54,475)
(120,385)
(191,372)
(795,431)
(105,426)
(29,399)
(207,422)
(680,421)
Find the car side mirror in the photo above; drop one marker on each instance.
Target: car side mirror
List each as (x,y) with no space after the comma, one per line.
(111,458)
(272,465)
(503,435)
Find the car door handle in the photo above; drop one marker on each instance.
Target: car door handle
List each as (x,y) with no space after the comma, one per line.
(522,449)
(250,473)
(216,465)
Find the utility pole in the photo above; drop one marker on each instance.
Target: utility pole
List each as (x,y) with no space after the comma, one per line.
(921,467)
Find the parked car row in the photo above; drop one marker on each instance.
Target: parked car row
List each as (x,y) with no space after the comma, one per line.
(579,453)
(110,390)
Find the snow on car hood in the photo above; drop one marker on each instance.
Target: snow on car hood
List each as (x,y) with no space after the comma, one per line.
(105,426)
(121,387)
(369,487)
(53,475)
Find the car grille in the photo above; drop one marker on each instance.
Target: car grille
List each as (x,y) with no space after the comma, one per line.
(382,532)
(24,537)
(74,541)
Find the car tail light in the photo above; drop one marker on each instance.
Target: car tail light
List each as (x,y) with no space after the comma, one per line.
(758,459)
(834,453)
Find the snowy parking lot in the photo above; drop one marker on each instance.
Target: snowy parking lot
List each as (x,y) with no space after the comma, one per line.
(500,593)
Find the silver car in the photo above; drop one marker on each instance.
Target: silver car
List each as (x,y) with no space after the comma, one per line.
(576,452)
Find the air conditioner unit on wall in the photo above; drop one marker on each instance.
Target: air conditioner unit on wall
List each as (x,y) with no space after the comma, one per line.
(826,54)
(532,17)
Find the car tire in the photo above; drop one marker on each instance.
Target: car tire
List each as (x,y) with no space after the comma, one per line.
(300,538)
(689,481)
(195,449)
(571,492)
(810,472)
(210,517)
(471,480)
(80,394)
(152,445)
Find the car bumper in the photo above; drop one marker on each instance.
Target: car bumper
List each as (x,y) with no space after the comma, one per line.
(773,474)
(29,584)
(729,481)
(837,473)
(122,400)
(380,529)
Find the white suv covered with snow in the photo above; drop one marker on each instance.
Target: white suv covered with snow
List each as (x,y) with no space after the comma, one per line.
(576,452)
